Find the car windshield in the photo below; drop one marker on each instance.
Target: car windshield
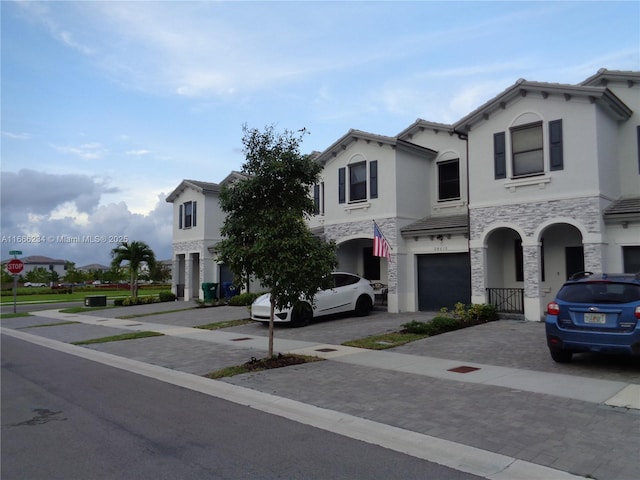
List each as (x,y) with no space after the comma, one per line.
(599,292)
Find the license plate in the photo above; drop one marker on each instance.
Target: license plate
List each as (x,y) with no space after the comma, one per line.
(595,318)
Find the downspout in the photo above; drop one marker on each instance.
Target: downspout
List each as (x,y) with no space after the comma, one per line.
(463,136)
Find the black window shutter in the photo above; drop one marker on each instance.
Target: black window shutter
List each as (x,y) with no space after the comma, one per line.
(341,185)
(555,145)
(499,155)
(373,179)
(180,217)
(193,221)
(638,131)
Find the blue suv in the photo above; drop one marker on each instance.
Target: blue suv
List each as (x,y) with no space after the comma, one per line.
(595,313)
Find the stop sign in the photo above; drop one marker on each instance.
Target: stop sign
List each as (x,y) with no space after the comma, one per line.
(15,266)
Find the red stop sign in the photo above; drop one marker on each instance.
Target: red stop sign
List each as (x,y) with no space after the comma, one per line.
(15,266)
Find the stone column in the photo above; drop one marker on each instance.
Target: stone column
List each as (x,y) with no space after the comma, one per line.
(531,266)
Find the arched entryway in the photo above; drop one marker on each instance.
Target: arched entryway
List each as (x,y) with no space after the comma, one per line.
(504,270)
(562,255)
(356,256)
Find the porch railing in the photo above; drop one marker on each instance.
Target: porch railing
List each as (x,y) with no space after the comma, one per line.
(506,300)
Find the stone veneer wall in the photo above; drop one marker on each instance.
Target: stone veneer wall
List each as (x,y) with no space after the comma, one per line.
(364,228)
(528,217)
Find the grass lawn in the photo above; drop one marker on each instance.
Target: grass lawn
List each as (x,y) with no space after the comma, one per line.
(387,340)
(44,295)
(117,338)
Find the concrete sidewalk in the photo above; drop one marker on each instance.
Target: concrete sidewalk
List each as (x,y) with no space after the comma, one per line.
(559,421)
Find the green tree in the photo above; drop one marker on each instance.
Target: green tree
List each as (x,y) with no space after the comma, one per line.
(73,275)
(135,253)
(265,233)
(40,275)
(160,273)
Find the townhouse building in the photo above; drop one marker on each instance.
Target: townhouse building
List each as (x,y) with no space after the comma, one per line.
(540,182)
(197,220)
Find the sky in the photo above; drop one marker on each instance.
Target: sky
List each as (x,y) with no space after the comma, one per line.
(107,106)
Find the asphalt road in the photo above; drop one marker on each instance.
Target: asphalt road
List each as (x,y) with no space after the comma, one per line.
(67,417)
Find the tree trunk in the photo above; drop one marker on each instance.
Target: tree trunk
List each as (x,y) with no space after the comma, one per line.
(271,317)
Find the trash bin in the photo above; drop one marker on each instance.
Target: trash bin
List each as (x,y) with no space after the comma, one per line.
(229,290)
(95,301)
(210,291)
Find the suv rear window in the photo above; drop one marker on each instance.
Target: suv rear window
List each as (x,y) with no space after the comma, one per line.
(599,292)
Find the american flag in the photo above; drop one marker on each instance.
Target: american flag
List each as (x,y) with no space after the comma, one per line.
(380,245)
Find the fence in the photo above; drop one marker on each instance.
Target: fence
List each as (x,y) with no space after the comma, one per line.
(506,300)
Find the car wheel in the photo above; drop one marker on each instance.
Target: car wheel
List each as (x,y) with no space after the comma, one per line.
(561,356)
(363,306)
(301,315)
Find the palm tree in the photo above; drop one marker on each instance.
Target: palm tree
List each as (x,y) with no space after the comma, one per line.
(135,253)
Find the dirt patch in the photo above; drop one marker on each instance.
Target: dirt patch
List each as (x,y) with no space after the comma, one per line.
(278,361)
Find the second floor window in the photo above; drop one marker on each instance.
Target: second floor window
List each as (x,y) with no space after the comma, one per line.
(187,215)
(358,182)
(527,151)
(354,180)
(449,180)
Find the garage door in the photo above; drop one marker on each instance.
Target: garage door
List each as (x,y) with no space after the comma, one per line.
(443,280)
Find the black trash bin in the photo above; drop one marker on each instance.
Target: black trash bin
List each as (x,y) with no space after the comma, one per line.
(229,290)
(210,291)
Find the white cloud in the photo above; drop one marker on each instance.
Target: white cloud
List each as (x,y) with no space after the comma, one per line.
(16,136)
(87,151)
(70,206)
(138,153)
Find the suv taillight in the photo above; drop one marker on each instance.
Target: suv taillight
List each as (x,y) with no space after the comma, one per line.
(554,309)
(638,313)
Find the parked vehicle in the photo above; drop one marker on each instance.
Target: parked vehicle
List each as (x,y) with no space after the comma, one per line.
(35,284)
(350,293)
(595,313)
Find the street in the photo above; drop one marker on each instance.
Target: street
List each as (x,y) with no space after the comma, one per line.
(67,417)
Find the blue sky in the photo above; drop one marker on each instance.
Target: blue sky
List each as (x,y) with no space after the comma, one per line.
(107,106)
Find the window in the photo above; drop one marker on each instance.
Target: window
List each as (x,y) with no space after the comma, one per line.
(449,180)
(631,259)
(318,199)
(187,215)
(527,151)
(355,188)
(358,182)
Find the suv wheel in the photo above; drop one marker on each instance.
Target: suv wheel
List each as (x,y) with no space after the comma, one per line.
(561,356)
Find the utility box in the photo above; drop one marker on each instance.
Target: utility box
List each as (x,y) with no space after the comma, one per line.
(95,301)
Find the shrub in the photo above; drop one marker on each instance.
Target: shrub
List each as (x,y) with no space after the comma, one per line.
(129,301)
(440,325)
(244,299)
(118,302)
(472,314)
(436,326)
(415,326)
(166,296)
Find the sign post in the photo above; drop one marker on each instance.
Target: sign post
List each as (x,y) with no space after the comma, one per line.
(14,267)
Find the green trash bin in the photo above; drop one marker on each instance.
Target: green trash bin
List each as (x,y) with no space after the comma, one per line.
(210,291)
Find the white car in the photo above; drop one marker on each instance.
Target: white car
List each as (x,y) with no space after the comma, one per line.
(350,293)
(35,284)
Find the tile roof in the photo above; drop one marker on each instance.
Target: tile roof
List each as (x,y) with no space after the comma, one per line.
(437,225)
(624,206)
